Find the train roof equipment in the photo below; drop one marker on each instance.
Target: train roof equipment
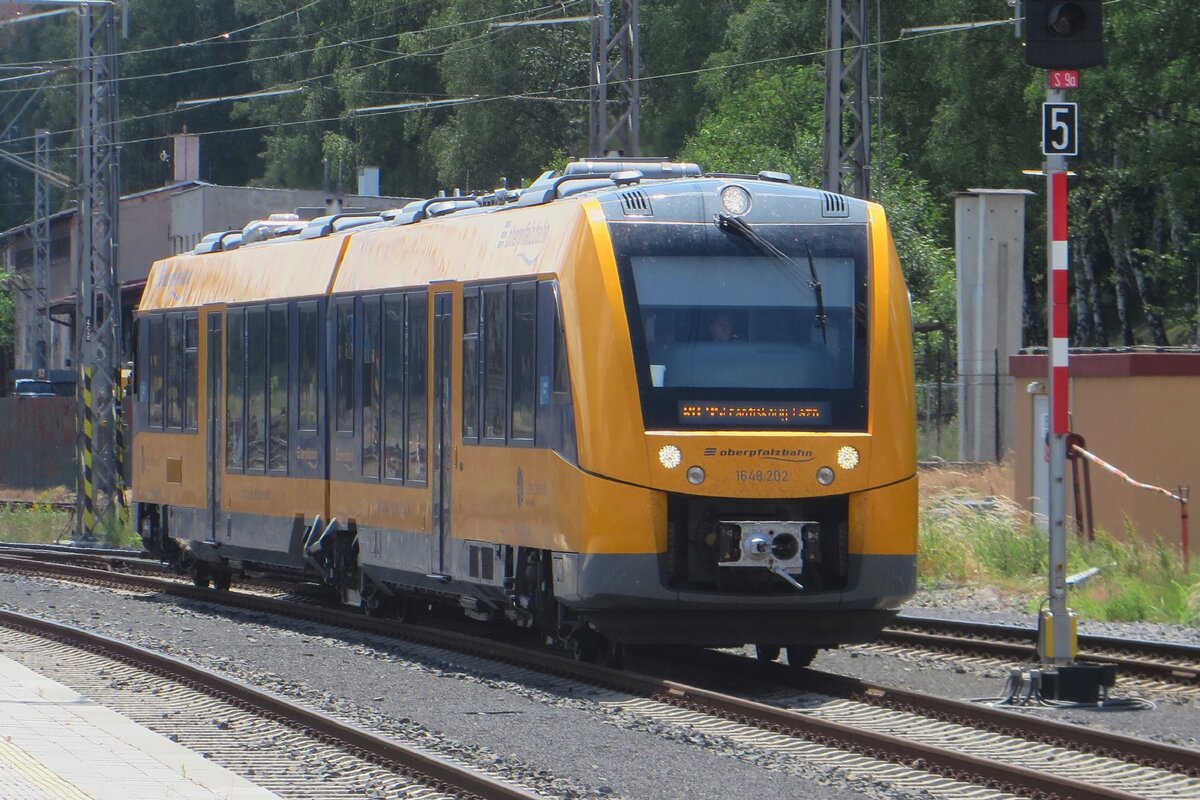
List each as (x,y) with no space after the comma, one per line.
(578,177)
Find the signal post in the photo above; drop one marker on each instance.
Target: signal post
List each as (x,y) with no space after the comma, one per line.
(1061,37)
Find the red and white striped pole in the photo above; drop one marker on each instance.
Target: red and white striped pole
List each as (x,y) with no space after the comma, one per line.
(1057,642)
(1059,309)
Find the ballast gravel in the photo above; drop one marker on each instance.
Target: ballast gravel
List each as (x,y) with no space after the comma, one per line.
(552,735)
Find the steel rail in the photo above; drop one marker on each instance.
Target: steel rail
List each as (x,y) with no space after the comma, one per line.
(881,746)
(1145,658)
(1163,661)
(419,766)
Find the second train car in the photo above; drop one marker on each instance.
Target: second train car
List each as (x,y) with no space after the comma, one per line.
(632,403)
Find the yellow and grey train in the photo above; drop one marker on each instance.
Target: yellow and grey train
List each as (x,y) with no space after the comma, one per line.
(632,403)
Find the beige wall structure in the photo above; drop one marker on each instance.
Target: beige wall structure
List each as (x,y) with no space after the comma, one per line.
(1134,409)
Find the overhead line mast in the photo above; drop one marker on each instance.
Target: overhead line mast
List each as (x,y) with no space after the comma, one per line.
(100,503)
(847,99)
(615,127)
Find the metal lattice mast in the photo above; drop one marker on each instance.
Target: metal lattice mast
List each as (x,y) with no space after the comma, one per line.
(615,127)
(98,306)
(847,99)
(41,253)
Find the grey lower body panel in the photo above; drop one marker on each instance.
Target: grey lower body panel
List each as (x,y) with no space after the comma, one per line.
(626,597)
(266,540)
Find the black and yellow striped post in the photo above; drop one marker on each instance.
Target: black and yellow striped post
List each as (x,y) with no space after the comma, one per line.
(89,487)
(122,509)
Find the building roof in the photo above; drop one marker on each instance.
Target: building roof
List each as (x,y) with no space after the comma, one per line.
(27,228)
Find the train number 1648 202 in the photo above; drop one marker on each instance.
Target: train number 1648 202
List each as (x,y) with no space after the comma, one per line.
(763,475)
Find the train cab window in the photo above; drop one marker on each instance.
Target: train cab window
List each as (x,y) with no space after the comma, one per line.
(344,365)
(523,374)
(371,388)
(495,363)
(277,393)
(393,387)
(470,377)
(724,335)
(190,348)
(235,389)
(417,379)
(174,371)
(309,344)
(155,370)
(256,390)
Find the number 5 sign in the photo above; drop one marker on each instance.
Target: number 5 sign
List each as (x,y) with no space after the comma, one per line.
(1060,129)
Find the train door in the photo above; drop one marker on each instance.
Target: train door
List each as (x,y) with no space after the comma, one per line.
(443,430)
(215,411)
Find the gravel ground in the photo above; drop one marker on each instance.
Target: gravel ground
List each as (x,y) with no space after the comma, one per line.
(561,739)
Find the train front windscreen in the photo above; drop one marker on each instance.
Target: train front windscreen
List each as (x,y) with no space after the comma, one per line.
(733,333)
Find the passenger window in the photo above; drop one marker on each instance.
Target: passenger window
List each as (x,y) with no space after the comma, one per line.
(345,366)
(418,415)
(190,342)
(235,389)
(495,373)
(524,345)
(256,385)
(307,366)
(371,389)
(470,356)
(277,394)
(155,367)
(174,376)
(393,386)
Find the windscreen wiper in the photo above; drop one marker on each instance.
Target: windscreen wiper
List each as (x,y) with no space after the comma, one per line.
(742,228)
(815,285)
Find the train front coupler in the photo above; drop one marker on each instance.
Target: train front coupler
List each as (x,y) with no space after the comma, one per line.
(781,548)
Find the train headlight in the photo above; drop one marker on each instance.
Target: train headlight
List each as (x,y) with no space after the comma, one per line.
(847,457)
(669,456)
(825,476)
(695,475)
(736,200)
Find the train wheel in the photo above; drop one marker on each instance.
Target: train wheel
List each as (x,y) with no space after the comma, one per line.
(222,579)
(800,656)
(766,652)
(596,649)
(201,577)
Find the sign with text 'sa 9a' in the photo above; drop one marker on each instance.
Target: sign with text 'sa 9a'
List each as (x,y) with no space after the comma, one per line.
(1060,129)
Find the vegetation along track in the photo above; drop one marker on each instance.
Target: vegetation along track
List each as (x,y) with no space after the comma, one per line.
(963,743)
(244,711)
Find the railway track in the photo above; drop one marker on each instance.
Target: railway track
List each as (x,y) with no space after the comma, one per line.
(250,717)
(922,737)
(1167,662)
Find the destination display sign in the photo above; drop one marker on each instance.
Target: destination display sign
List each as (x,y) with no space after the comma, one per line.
(763,414)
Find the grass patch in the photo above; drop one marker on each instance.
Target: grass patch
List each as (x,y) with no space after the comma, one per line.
(44,523)
(972,538)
